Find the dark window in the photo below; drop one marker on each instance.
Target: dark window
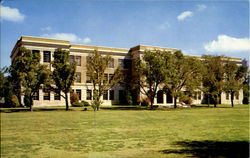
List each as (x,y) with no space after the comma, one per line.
(195,96)
(111,77)
(237,95)
(120,62)
(46,56)
(121,95)
(169,98)
(71,59)
(35,52)
(78,77)
(199,95)
(111,94)
(57,96)
(227,96)
(126,64)
(89,95)
(111,65)
(105,95)
(79,94)
(88,80)
(46,95)
(78,60)
(160,97)
(36,95)
(105,78)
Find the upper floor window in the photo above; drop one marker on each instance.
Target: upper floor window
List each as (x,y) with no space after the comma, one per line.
(71,59)
(78,77)
(46,56)
(78,60)
(105,78)
(120,62)
(34,52)
(111,65)
(88,80)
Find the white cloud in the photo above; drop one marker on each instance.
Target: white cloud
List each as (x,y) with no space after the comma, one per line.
(11,14)
(201,7)
(184,15)
(68,36)
(164,26)
(228,44)
(48,28)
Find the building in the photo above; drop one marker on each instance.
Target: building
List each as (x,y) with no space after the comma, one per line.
(82,86)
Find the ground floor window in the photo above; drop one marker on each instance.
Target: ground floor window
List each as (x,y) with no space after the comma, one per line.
(160,97)
(57,96)
(121,95)
(227,96)
(105,95)
(36,95)
(79,94)
(111,94)
(46,95)
(89,94)
(169,98)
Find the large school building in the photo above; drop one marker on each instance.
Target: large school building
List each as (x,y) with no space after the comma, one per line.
(83,86)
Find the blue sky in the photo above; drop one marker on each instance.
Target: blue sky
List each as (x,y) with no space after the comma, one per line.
(195,27)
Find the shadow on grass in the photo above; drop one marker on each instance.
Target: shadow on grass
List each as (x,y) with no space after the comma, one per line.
(123,108)
(204,149)
(13,110)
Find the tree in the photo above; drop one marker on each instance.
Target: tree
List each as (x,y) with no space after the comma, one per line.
(6,87)
(183,73)
(151,73)
(30,73)
(212,77)
(246,88)
(63,74)
(96,66)
(233,78)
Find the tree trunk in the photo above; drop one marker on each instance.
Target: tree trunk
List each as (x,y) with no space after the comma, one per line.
(66,101)
(208,100)
(232,99)
(175,102)
(30,97)
(215,101)
(151,103)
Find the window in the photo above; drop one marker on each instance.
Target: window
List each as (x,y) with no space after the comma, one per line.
(195,96)
(111,77)
(36,95)
(78,77)
(105,78)
(111,65)
(169,98)
(199,95)
(78,60)
(126,64)
(88,80)
(237,95)
(121,95)
(111,94)
(46,56)
(120,62)
(46,95)
(79,94)
(105,95)
(89,95)
(227,96)
(57,96)
(35,52)
(71,59)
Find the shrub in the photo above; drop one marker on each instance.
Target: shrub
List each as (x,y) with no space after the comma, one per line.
(129,99)
(186,99)
(84,103)
(77,104)
(27,101)
(15,101)
(145,102)
(73,98)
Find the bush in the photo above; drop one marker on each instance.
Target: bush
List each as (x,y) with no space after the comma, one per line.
(81,104)
(186,99)
(15,101)
(145,102)
(84,103)
(73,98)
(27,101)
(129,99)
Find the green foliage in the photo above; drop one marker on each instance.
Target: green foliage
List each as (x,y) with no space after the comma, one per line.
(212,76)
(128,98)
(15,102)
(97,64)
(26,68)
(63,74)
(84,103)
(233,78)
(152,72)
(80,104)
(27,101)
(183,72)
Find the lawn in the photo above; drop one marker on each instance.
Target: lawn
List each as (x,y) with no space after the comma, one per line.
(197,132)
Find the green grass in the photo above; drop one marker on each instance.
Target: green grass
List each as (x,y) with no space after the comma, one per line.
(198,132)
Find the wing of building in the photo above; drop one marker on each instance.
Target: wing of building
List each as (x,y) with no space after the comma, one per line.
(82,86)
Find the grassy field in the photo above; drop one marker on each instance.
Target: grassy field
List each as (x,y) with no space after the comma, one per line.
(197,132)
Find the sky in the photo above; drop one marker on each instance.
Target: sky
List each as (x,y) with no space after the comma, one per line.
(195,27)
